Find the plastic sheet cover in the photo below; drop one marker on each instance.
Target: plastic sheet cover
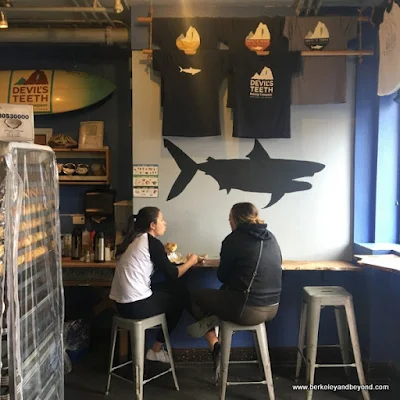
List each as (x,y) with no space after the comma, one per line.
(32,288)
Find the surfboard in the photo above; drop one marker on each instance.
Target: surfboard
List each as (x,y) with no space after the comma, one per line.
(53,91)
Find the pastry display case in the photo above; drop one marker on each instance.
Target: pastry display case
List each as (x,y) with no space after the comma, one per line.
(30,274)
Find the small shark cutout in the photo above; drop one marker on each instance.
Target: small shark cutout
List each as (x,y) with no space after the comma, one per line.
(259,173)
(191,71)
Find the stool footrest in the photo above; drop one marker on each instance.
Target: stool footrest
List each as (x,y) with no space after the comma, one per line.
(335,365)
(246,383)
(121,377)
(157,376)
(244,362)
(120,366)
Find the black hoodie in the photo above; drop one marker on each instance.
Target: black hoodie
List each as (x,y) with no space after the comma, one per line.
(239,254)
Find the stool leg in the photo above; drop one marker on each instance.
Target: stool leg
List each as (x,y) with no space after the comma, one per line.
(356,346)
(137,343)
(169,349)
(263,343)
(343,332)
(259,358)
(312,343)
(114,332)
(226,339)
(302,335)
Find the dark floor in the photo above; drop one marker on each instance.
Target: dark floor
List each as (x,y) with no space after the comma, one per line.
(88,379)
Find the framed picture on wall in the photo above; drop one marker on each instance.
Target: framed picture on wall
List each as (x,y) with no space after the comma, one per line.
(91,134)
(42,135)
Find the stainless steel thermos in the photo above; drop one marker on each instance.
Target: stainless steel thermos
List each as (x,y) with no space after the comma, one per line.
(76,248)
(99,247)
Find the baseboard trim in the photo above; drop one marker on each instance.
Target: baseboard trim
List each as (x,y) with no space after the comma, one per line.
(282,357)
(378,373)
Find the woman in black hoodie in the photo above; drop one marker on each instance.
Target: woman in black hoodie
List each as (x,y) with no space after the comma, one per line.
(251,272)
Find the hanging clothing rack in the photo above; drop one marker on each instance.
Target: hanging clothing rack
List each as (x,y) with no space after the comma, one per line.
(329,53)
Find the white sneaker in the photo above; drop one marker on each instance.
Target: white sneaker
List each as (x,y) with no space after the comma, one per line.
(161,356)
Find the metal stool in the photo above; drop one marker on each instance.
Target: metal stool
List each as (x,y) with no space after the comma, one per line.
(260,338)
(137,328)
(314,299)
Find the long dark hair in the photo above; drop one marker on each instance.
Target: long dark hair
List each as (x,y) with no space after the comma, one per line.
(245,213)
(137,225)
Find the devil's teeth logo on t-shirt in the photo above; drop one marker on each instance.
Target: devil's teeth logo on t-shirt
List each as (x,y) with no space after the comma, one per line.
(260,40)
(318,39)
(262,84)
(190,42)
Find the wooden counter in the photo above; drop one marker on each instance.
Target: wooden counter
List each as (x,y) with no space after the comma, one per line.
(214,263)
(78,273)
(383,262)
(69,263)
(301,265)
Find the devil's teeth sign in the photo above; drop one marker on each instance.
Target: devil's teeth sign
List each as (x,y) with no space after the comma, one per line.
(33,88)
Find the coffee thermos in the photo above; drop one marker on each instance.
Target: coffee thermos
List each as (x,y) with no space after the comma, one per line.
(76,248)
(99,247)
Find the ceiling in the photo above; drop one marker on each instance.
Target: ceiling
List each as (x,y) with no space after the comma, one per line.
(88,19)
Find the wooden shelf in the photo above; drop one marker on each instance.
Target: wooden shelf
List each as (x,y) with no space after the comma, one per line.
(76,150)
(83,178)
(76,154)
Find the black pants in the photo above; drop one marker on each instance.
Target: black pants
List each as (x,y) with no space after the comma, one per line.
(170,298)
(230,306)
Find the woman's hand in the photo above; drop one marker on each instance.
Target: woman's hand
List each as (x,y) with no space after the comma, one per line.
(192,259)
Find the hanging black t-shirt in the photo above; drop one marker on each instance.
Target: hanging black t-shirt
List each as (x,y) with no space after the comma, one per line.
(186,34)
(263,94)
(253,34)
(191,86)
(197,34)
(379,11)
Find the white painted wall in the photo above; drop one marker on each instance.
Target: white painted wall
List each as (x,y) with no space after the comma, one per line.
(310,225)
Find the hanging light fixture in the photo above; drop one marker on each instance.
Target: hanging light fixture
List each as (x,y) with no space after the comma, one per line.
(3,21)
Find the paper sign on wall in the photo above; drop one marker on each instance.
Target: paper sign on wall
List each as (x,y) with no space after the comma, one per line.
(16,123)
(145,180)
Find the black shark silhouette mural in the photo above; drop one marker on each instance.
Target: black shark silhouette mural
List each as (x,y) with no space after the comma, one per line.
(259,173)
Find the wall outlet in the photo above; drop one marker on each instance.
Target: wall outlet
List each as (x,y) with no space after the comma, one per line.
(78,219)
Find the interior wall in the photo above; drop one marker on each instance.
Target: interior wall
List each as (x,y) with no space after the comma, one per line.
(111,63)
(309,225)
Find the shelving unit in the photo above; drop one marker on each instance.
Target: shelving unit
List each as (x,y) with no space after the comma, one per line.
(74,155)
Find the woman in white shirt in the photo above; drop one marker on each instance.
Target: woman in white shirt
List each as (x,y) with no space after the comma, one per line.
(140,255)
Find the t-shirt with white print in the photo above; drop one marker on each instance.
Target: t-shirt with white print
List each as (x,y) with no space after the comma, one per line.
(262,93)
(191,87)
(254,34)
(186,34)
(389,52)
(323,79)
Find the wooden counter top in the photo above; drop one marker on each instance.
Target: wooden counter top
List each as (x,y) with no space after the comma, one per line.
(213,263)
(69,263)
(383,262)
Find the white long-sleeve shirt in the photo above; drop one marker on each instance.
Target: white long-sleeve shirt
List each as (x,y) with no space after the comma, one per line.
(132,278)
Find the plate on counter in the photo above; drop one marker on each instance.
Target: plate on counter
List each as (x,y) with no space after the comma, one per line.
(178,258)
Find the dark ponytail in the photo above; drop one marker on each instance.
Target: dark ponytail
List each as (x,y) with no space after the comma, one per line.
(137,225)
